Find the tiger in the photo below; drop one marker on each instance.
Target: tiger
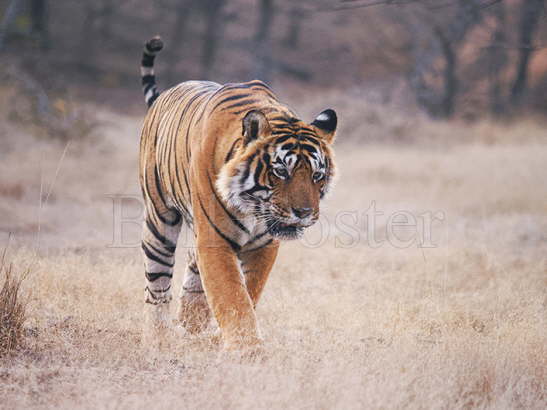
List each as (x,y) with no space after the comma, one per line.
(242,172)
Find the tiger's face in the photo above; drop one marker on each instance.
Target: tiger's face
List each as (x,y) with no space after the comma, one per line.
(285,169)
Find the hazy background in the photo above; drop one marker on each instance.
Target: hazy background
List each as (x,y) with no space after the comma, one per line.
(441,108)
(445,58)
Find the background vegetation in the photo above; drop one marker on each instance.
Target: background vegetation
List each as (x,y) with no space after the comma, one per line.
(464,58)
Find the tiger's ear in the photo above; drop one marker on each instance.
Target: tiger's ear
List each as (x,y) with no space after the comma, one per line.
(255,126)
(325,125)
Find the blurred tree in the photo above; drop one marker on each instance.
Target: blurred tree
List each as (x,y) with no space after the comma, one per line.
(211,38)
(455,55)
(87,32)
(9,17)
(296,15)
(439,35)
(39,25)
(178,37)
(497,60)
(107,17)
(531,11)
(262,43)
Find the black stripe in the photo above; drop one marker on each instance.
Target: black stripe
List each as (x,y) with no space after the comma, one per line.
(245,110)
(147,187)
(258,170)
(268,110)
(148,87)
(192,290)
(247,169)
(257,237)
(153,276)
(284,132)
(282,139)
(148,79)
(232,217)
(257,187)
(147,60)
(185,179)
(152,99)
(198,94)
(186,215)
(235,246)
(162,198)
(217,89)
(308,147)
(261,246)
(159,236)
(151,292)
(279,118)
(259,84)
(313,139)
(149,49)
(177,172)
(231,98)
(177,219)
(231,152)
(168,249)
(240,103)
(153,257)
(235,86)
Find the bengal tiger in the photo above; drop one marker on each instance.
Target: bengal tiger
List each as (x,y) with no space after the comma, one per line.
(242,172)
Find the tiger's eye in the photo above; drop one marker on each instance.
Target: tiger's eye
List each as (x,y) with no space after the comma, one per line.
(317,176)
(281,173)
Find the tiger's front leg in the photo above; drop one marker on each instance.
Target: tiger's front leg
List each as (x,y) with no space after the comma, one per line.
(257,265)
(227,295)
(193,312)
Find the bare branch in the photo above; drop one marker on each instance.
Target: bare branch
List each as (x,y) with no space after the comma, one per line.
(349,4)
(369,4)
(7,20)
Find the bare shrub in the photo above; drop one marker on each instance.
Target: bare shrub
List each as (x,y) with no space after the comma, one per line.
(12,308)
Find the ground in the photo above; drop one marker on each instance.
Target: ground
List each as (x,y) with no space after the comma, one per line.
(438,302)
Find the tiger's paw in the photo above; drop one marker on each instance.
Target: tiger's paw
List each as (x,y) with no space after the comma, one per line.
(157,326)
(194,313)
(246,349)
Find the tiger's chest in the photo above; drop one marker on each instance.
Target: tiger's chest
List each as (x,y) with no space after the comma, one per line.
(251,234)
(246,234)
(257,237)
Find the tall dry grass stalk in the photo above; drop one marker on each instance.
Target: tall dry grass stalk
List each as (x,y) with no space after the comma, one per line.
(12,308)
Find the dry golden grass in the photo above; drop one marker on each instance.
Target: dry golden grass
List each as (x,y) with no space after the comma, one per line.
(12,308)
(459,325)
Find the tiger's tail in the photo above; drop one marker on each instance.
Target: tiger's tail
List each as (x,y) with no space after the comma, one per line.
(151,48)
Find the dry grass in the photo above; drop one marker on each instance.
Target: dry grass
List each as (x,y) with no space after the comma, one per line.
(459,325)
(12,309)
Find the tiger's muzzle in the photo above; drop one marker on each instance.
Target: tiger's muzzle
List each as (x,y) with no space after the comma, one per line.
(291,226)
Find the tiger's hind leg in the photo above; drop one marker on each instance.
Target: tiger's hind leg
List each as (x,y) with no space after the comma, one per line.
(160,235)
(194,313)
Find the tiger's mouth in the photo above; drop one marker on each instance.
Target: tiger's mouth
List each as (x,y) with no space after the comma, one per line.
(285,231)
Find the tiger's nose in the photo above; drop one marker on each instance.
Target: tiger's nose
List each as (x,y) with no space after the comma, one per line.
(302,212)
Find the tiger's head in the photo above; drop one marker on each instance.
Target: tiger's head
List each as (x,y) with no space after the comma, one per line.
(281,171)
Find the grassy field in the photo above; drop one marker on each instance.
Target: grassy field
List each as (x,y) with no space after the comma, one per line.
(358,315)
